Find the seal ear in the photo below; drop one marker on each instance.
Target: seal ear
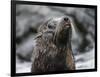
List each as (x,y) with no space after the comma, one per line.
(43,26)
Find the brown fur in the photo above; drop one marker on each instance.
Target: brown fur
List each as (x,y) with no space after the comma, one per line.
(52,51)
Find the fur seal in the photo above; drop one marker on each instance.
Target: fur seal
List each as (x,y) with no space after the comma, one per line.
(52,51)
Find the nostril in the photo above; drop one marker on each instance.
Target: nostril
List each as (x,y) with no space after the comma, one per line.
(66,19)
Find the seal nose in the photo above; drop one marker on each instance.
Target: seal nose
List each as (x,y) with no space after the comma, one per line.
(66,19)
(66,22)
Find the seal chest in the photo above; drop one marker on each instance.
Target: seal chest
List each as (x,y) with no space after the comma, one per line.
(52,51)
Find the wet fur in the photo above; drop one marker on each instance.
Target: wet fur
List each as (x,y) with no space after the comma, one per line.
(52,51)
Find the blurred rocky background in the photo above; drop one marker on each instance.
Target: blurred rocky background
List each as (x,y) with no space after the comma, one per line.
(30,17)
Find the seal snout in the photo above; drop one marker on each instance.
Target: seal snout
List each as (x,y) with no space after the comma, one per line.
(66,21)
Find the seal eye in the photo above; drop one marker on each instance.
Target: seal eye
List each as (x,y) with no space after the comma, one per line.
(51,26)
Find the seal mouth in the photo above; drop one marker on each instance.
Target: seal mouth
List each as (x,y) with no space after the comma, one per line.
(67,25)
